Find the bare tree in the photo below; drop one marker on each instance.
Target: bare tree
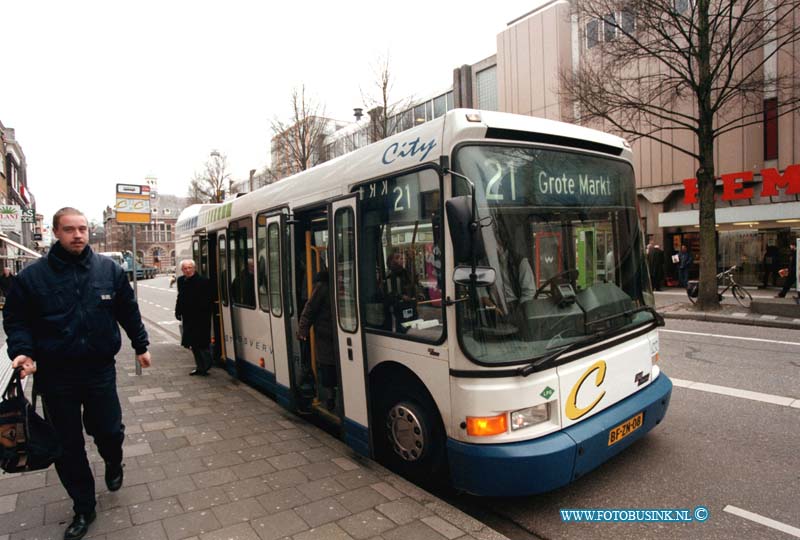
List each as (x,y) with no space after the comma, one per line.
(699,66)
(382,110)
(209,186)
(299,140)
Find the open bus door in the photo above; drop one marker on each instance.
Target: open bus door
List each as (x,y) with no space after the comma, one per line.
(347,322)
(217,336)
(224,302)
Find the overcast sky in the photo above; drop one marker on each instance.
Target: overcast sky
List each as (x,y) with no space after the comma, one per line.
(107,92)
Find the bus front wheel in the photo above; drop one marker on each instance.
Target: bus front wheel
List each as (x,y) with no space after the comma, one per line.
(410,438)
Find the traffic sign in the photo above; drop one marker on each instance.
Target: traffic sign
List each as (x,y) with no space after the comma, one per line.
(133,203)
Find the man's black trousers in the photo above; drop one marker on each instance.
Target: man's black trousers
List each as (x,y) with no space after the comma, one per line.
(89,400)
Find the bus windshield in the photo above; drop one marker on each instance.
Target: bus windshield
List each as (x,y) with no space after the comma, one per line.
(560,228)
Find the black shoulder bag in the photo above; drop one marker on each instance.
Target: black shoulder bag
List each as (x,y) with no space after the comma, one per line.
(27,441)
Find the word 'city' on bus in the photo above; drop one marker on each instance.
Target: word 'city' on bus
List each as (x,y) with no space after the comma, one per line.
(487,328)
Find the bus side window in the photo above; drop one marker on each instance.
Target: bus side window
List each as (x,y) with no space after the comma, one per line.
(261,261)
(400,255)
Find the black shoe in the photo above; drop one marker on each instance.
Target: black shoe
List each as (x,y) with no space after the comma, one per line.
(79,526)
(195,372)
(114,474)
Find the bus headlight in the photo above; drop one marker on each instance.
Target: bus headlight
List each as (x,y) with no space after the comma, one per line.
(530,417)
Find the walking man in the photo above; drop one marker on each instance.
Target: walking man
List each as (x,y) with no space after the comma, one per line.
(193,308)
(61,321)
(685,261)
(789,273)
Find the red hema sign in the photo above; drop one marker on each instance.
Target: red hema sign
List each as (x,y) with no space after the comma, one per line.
(733,187)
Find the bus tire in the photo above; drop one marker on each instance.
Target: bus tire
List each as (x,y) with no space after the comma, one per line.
(410,437)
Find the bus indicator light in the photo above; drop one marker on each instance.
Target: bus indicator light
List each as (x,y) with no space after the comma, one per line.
(261,362)
(484,426)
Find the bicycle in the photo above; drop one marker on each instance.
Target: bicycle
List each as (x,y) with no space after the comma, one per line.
(726,278)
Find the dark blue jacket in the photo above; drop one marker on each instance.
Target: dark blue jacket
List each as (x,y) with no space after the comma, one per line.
(63,312)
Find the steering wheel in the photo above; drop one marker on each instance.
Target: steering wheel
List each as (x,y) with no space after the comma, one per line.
(549,282)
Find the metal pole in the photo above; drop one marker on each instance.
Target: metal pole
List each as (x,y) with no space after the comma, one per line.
(135,288)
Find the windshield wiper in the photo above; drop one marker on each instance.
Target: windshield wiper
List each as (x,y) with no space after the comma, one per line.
(524,371)
(656,315)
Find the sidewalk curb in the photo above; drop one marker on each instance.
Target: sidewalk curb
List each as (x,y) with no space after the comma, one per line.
(710,317)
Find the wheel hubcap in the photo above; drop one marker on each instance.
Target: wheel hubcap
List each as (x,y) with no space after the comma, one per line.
(405,433)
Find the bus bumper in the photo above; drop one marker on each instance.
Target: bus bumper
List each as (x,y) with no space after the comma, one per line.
(552,461)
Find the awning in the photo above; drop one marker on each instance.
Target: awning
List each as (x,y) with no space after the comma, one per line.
(733,214)
(28,253)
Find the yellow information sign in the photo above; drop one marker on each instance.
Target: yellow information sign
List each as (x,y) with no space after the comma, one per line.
(133,203)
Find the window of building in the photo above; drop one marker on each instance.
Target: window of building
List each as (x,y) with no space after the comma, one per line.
(419,114)
(609,27)
(771,128)
(439,106)
(592,33)
(407,119)
(628,22)
(399,258)
(487,88)
(451,104)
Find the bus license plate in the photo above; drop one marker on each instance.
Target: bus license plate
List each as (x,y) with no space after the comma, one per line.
(624,429)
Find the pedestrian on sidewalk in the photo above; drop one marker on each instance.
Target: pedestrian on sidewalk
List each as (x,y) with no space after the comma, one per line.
(655,260)
(6,281)
(193,308)
(61,321)
(789,273)
(685,261)
(317,313)
(770,265)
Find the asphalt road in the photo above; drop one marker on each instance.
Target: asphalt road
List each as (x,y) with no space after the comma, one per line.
(737,456)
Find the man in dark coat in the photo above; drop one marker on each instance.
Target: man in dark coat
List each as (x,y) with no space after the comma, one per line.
(6,281)
(789,273)
(193,308)
(317,313)
(655,260)
(61,320)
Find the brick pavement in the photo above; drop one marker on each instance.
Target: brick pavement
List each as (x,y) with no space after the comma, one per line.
(212,459)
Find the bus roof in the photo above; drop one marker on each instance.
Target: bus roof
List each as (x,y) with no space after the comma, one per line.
(423,144)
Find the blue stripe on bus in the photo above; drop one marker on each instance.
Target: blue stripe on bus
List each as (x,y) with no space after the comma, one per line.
(256,376)
(284,396)
(550,462)
(356,436)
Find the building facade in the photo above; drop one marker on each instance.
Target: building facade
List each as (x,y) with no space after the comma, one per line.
(758,166)
(155,241)
(14,191)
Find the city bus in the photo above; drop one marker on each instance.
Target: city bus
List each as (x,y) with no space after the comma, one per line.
(492,317)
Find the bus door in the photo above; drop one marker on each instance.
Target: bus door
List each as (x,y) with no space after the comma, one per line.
(247,322)
(271,292)
(217,337)
(343,281)
(227,355)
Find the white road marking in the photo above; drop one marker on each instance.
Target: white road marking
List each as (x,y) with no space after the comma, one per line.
(777,525)
(737,392)
(730,337)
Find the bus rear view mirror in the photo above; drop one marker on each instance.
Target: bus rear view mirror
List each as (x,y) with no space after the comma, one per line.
(485,276)
(464,234)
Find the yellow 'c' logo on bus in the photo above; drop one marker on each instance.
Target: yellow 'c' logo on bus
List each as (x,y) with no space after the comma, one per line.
(573,412)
